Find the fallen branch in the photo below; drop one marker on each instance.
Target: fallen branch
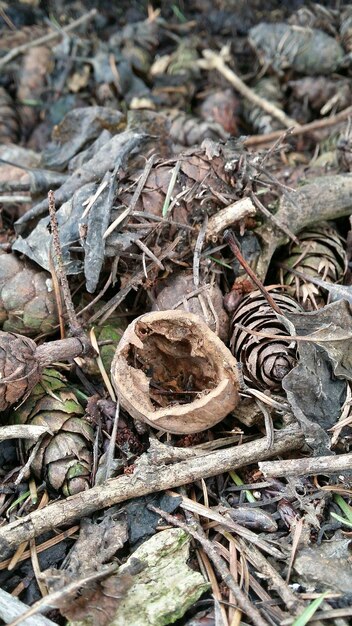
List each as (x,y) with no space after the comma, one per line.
(326,122)
(325,198)
(11,608)
(147,478)
(234,212)
(326,465)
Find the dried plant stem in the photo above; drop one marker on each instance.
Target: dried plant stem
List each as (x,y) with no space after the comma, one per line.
(75,326)
(196,531)
(148,478)
(326,122)
(215,61)
(230,238)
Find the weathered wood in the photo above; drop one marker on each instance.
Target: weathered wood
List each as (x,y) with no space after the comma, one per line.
(147,478)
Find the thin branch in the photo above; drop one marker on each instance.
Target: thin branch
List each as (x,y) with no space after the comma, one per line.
(256,140)
(326,465)
(147,478)
(46,38)
(214,60)
(75,326)
(230,238)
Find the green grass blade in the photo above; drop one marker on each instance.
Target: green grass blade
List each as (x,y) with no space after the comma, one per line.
(309,611)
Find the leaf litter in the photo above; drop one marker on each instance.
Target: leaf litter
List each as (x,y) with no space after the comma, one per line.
(165,127)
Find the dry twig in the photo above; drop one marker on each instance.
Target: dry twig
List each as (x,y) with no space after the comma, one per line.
(326,465)
(46,38)
(214,60)
(147,478)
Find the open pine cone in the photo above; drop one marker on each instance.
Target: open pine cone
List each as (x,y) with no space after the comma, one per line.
(9,124)
(27,301)
(22,362)
(19,369)
(321,254)
(64,459)
(265,361)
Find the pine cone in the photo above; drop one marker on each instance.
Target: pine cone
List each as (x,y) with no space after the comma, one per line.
(22,362)
(9,125)
(265,361)
(321,254)
(19,369)
(27,302)
(64,459)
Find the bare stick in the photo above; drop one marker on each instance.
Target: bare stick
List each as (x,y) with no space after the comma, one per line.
(214,60)
(269,573)
(196,531)
(235,212)
(326,122)
(230,238)
(75,326)
(306,467)
(46,38)
(147,478)
(11,608)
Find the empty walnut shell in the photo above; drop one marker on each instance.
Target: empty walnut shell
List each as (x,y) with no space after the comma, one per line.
(171,371)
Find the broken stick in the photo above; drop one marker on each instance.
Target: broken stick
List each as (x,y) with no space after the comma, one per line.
(326,465)
(147,478)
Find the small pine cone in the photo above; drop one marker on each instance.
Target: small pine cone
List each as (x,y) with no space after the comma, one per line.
(321,254)
(64,459)
(188,130)
(9,125)
(27,302)
(19,368)
(265,361)
(261,121)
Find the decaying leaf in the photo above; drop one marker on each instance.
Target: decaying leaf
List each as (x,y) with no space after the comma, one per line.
(314,393)
(98,541)
(171,371)
(179,293)
(331,329)
(324,564)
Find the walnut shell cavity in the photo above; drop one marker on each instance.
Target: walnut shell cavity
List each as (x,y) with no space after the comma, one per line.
(172,372)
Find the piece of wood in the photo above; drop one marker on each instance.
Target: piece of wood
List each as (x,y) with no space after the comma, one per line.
(11,608)
(325,122)
(326,465)
(324,198)
(147,478)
